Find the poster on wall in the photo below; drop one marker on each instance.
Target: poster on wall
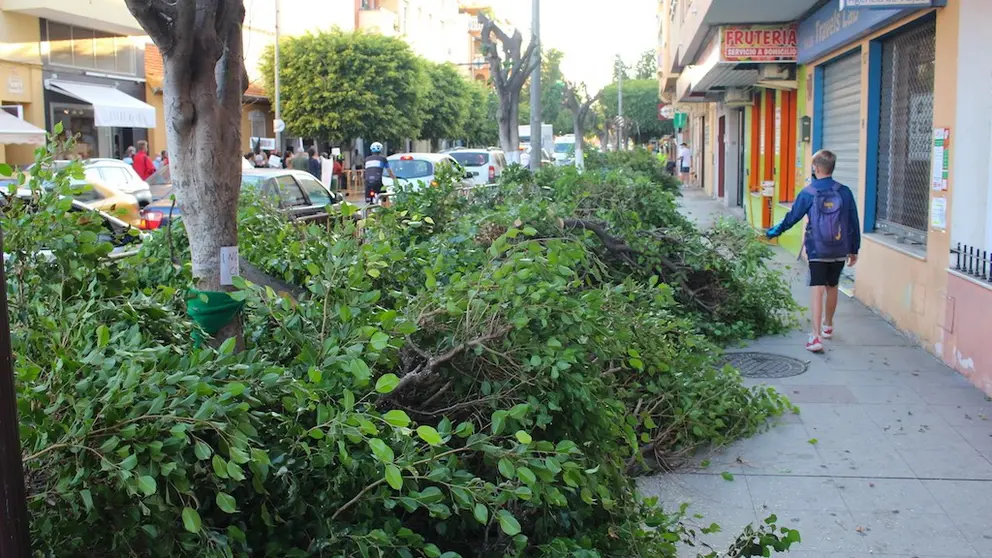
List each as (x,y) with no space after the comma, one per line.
(938,213)
(940,162)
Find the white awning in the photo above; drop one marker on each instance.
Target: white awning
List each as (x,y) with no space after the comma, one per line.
(111,107)
(15,130)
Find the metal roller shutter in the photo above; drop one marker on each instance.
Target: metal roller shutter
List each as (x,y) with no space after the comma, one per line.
(842,117)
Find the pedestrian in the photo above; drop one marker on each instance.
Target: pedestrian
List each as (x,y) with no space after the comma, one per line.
(375,166)
(685,162)
(833,238)
(313,162)
(142,162)
(337,171)
(165,158)
(300,161)
(275,160)
(129,155)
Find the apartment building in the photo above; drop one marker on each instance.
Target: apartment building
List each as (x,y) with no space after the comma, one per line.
(899,91)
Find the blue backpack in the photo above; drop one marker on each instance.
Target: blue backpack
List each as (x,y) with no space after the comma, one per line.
(828,223)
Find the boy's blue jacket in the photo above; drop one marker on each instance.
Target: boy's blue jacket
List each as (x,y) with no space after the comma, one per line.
(801,207)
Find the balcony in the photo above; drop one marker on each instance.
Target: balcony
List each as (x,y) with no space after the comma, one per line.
(379,20)
(110,16)
(475,28)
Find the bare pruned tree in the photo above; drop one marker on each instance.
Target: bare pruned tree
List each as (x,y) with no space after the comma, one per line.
(579,102)
(509,74)
(202,54)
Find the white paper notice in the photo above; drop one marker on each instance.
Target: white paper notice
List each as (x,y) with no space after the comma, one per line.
(938,213)
(229,264)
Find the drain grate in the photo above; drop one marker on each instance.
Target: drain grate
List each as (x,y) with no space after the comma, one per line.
(765,365)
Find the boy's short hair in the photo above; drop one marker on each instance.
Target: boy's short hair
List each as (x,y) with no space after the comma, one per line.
(825,161)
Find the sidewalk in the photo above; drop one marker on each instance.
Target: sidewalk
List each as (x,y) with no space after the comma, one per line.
(891,455)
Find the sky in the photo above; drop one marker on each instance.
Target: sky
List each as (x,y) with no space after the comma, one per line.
(589,32)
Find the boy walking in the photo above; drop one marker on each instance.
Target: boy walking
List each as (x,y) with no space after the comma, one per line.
(833,238)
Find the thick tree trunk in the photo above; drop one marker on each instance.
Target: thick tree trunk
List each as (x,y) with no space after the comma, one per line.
(580,161)
(509,129)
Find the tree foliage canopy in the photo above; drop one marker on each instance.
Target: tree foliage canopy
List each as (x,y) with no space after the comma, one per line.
(647,65)
(640,109)
(340,86)
(446,107)
(481,128)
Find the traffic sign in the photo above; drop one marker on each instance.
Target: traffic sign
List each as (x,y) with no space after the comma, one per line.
(665,112)
(279,125)
(680,119)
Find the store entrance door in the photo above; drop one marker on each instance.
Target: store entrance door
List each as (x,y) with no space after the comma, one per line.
(741,138)
(721,156)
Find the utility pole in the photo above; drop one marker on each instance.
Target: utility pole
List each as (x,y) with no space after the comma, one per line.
(535,89)
(14,539)
(279,145)
(620,72)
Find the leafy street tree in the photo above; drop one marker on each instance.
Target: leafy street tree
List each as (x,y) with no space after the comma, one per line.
(508,76)
(620,67)
(340,86)
(552,94)
(481,128)
(446,108)
(205,78)
(640,109)
(647,65)
(579,102)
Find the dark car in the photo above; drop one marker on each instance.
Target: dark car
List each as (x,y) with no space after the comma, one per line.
(300,195)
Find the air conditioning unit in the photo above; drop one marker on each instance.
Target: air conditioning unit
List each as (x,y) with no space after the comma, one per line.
(737,97)
(776,71)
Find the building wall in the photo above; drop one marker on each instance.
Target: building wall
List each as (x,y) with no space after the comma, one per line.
(909,289)
(20,77)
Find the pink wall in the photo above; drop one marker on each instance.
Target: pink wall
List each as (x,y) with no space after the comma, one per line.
(966,344)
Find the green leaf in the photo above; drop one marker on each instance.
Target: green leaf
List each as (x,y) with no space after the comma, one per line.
(236,388)
(234,471)
(87,497)
(202,450)
(147,485)
(526,476)
(220,466)
(129,462)
(499,422)
(379,341)
(518,412)
(191,520)
(397,418)
(530,231)
(813,441)
(481,513)
(429,435)
(523,437)
(508,523)
(226,502)
(393,477)
(6,170)
(727,476)
(387,383)
(506,468)
(102,336)
(381,451)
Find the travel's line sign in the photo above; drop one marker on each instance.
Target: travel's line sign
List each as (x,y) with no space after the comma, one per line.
(758,43)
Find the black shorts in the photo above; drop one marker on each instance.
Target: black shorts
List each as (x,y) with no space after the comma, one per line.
(685,170)
(825,274)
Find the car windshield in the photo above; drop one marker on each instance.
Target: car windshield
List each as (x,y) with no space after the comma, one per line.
(252,181)
(563,147)
(161,177)
(470,159)
(411,168)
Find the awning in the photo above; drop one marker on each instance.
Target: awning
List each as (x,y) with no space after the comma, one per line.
(15,130)
(111,107)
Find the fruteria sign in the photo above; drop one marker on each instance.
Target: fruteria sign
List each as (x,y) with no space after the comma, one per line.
(758,43)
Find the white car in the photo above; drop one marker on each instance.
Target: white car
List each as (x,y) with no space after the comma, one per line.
(565,150)
(418,170)
(485,164)
(546,157)
(116,174)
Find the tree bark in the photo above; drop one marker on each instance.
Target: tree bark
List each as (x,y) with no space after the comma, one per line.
(508,79)
(202,54)
(579,110)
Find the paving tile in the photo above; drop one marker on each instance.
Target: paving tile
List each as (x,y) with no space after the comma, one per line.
(704,492)
(979,436)
(967,395)
(886,394)
(774,492)
(866,495)
(914,427)
(783,450)
(865,459)
(961,498)
(965,415)
(801,394)
(823,532)
(957,464)
(917,534)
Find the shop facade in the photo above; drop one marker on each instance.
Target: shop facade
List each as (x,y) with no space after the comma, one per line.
(882,83)
(94,85)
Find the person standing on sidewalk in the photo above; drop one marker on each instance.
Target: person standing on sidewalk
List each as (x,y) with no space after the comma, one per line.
(685,162)
(833,238)
(142,162)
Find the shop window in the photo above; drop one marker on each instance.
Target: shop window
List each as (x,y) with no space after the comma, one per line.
(905,130)
(257,120)
(59,44)
(83,48)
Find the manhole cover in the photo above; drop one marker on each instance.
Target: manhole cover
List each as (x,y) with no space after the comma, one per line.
(765,365)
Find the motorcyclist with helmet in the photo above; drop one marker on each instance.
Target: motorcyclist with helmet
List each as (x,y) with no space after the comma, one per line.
(375,166)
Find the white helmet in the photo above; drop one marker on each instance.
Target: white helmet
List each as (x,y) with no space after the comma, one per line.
(376,147)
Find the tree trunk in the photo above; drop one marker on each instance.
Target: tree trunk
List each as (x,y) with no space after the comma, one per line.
(509,129)
(580,161)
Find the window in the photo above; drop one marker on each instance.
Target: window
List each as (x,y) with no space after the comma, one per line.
(290,194)
(411,168)
(315,191)
(905,133)
(114,176)
(257,120)
(470,159)
(84,48)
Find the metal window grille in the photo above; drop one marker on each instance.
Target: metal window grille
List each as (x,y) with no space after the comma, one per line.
(906,132)
(973,261)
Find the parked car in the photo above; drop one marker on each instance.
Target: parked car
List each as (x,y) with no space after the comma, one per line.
(113,173)
(546,157)
(98,195)
(299,195)
(160,182)
(484,164)
(564,150)
(419,170)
